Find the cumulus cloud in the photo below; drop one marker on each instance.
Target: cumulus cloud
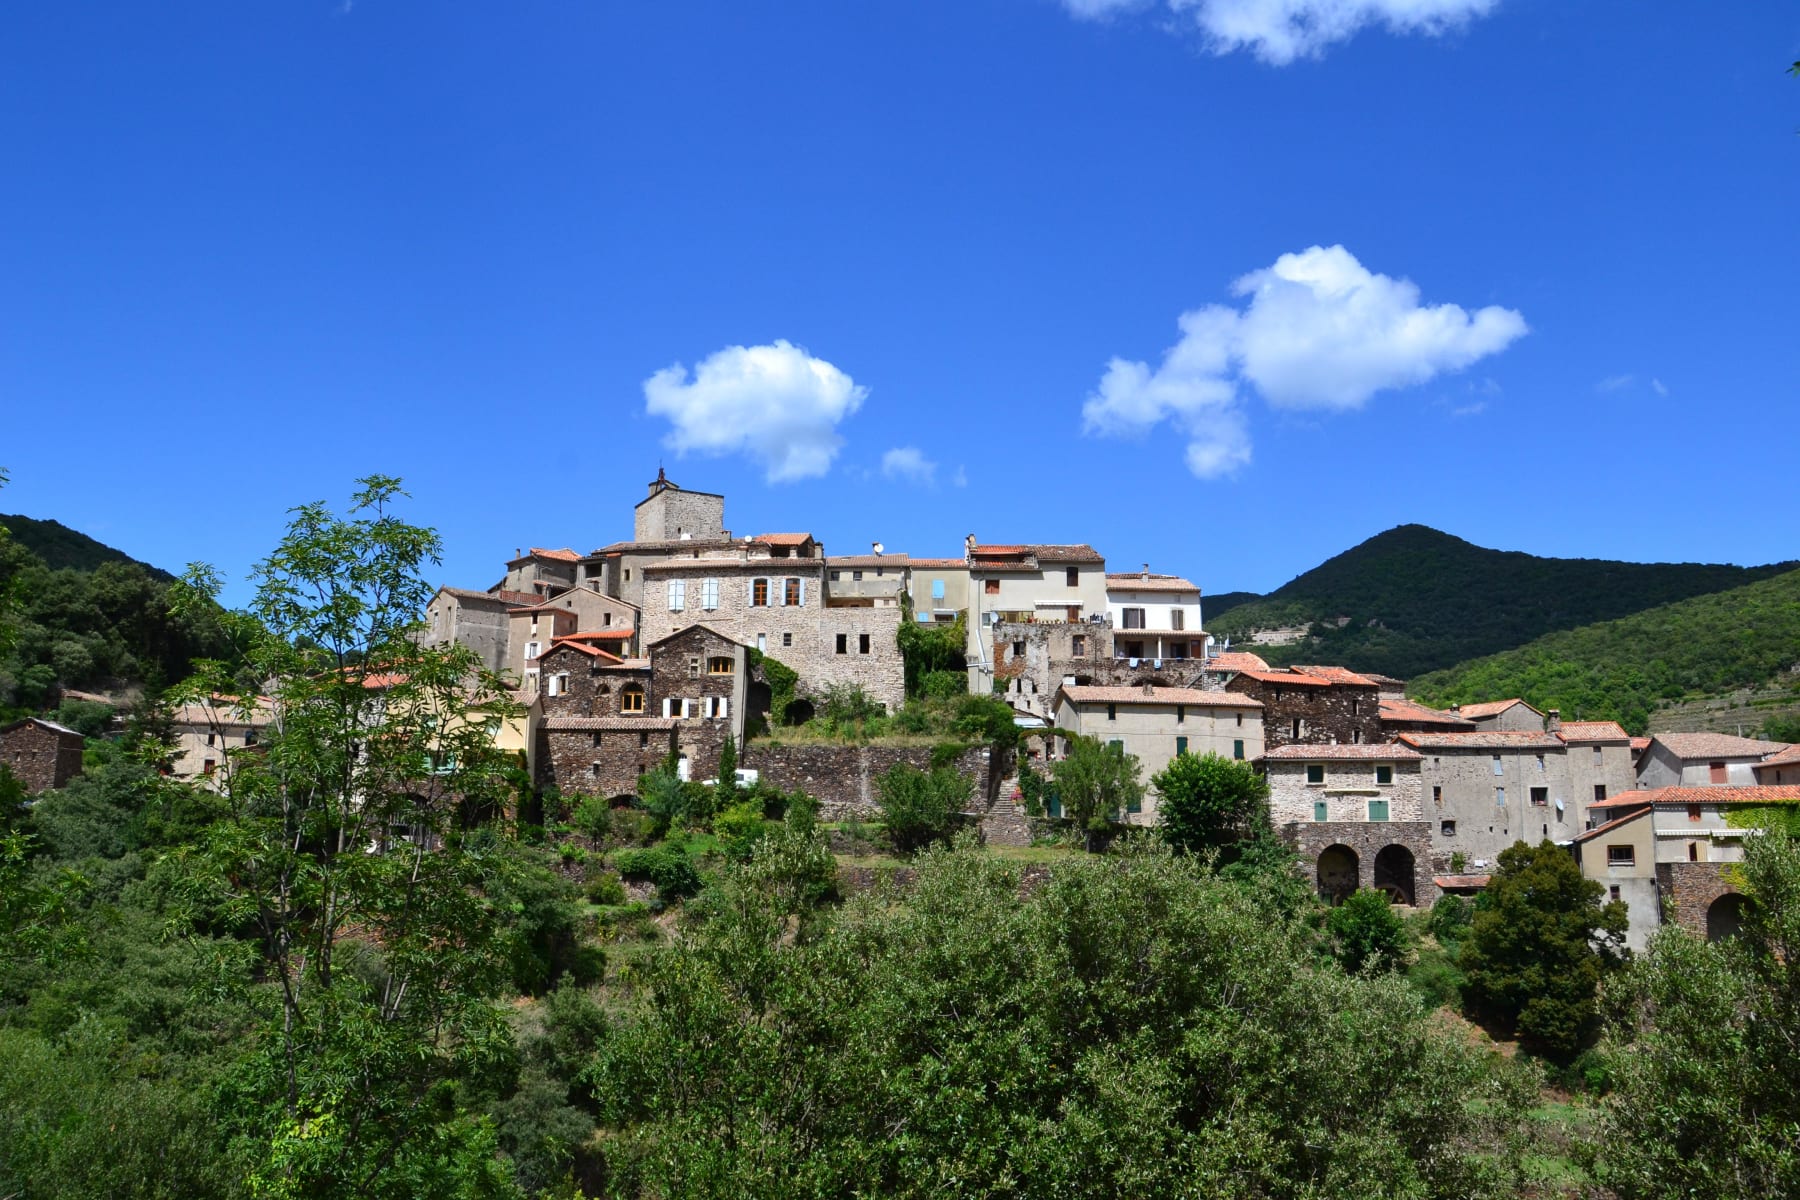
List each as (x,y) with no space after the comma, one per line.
(1279,31)
(1317,330)
(777,404)
(908,465)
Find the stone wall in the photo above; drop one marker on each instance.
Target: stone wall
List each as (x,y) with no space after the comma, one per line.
(600,756)
(1034,657)
(669,513)
(41,755)
(681,675)
(1349,786)
(1367,840)
(842,777)
(1343,713)
(1689,890)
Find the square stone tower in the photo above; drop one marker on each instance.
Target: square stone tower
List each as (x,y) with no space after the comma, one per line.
(670,513)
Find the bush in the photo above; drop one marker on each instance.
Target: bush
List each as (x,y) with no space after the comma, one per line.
(89,718)
(666,867)
(919,808)
(593,817)
(1449,920)
(1436,978)
(1367,935)
(606,890)
(739,828)
(1208,802)
(944,685)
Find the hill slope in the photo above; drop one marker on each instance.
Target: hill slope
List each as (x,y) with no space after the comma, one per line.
(1413,600)
(1621,670)
(59,546)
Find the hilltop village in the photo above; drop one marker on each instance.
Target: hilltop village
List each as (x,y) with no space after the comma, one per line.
(666,646)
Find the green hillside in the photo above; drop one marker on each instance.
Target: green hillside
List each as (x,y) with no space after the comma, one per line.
(1413,600)
(1621,670)
(1224,602)
(59,547)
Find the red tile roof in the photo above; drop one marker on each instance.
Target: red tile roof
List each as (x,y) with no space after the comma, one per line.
(1781,758)
(1344,751)
(783,539)
(1593,731)
(1453,882)
(1286,677)
(1597,830)
(936,564)
(1787,793)
(998,551)
(1639,744)
(1084,694)
(1486,739)
(1715,745)
(1156,583)
(597,635)
(1236,660)
(1491,708)
(563,555)
(1336,675)
(609,723)
(590,651)
(1411,712)
(1073,553)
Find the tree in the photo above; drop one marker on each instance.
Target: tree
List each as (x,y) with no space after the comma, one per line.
(1706,1081)
(727,773)
(929,650)
(1208,802)
(593,817)
(342,850)
(1367,936)
(1537,948)
(919,807)
(1096,782)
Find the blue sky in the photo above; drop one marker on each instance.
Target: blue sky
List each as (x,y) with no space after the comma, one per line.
(1057,270)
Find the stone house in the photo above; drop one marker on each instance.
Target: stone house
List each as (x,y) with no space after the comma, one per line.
(671,513)
(867,580)
(1702,760)
(1600,760)
(700,679)
(206,731)
(1314,705)
(1501,716)
(1025,584)
(1154,724)
(592,726)
(1669,853)
(1400,715)
(1155,617)
(1355,813)
(540,572)
(603,621)
(479,620)
(41,754)
(1781,767)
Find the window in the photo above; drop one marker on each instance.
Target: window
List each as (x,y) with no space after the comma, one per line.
(1447,828)
(1018,649)
(1078,645)
(1299,728)
(1134,618)
(1180,714)
(643,739)
(1378,810)
(718,706)
(1180,746)
(1356,737)
(835,575)
(1599,792)
(1715,772)
(597,740)
(1320,811)
(1072,576)
(1499,768)
(1112,712)
(856,576)
(1176,619)
(1135,804)
(1240,720)
(627,574)
(843,643)
(1053,805)
(1355,708)
(794,593)
(554,685)
(209,739)
(1437,796)
(709,594)
(1540,797)
(1117,747)
(1612,893)
(991,586)
(606,619)
(759,593)
(534,621)
(1693,851)
(1237,748)
(762,642)
(1499,797)
(862,643)
(631,699)
(1693,812)
(1540,762)
(693,666)
(1384,773)
(937,589)
(787,639)
(677,595)
(532,649)
(718,664)
(1596,753)
(208,767)
(1315,772)
(1621,856)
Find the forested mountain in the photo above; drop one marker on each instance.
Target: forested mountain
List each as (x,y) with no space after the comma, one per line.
(59,546)
(1621,669)
(1413,600)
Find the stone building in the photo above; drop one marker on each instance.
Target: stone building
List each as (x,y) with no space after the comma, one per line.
(206,731)
(1154,724)
(1669,854)
(41,754)
(670,513)
(1155,617)
(1702,760)
(1501,716)
(1781,767)
(1355,813)
(593,730)
(1033,659)
(1599,757)
(1400,715)
(1314,706)
(867,580)
(479,620)
(1026,584)
(699,678)
(939,588)
(540,572)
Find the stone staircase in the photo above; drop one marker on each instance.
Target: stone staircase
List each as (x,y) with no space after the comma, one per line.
(1003,821)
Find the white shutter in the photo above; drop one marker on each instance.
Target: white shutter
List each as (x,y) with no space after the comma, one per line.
(803,593)
(750,595)
(725,711)
(667,701)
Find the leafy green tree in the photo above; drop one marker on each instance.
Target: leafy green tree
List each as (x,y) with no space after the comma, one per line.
(728,784)
(1096,783)
(1367,935)
(593,817)
(932,652)
(1207,802)
(1537,948)
(1706,1081)
(341,849)
(918,807)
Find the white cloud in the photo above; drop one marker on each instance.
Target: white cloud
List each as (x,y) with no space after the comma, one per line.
(1279,31)
(1615,383)
(908,464)
(960,479)
(1656,385)
(1319,331)
(778,404)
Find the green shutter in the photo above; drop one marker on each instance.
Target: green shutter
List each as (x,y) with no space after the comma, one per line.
(1237,748)
(1180,746)
(1378,810)
(1319,813)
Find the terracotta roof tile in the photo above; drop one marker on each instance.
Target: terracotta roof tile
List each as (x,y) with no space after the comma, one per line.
(1781,758)
(1077,552)
(591,651)
(1597,830)
(1237,660)
(1156,583)
(1715,745)
(783,539)
(1412,712)
(1083,694)
(597,635)
(1346,752)
(998,551)
(1486,739)
(1490,708)
(1593,731)
(1451,882)
(1286,677)
(609,723)
(1336,675)
(1787,793)
(936,564)
(563,555)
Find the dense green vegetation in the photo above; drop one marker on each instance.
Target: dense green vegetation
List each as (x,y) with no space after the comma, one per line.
(1416,600)
(59,547)
(1621,670)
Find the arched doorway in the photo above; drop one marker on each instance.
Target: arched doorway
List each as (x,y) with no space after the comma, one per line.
(1337,873)
(1394,873)
(1725,917)
(799,712)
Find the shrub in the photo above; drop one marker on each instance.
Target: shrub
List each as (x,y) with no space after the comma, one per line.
(739,828)
(1207,802)
(606,890)
(1367,935)
(944,685)
(920,808)
(666,867)
(593,817)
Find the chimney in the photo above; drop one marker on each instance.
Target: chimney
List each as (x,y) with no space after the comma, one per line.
(1456,710)
(969,546)
(1553,720)
(1146,570)
(1149,688)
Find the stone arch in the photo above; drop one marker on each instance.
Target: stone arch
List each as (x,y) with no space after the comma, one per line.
(1339,872)
(799,711)
(1394,874)
(1725,917)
